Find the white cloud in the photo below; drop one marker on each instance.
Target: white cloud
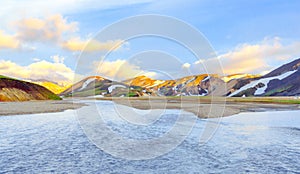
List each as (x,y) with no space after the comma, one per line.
(256,58)
(8,41)
(199,61)
(186,65)
(50,28)
(38,8)
(36,59)
(120,70)
(53,29)
(249,58)
(76,44)
(58,59)
(56,72)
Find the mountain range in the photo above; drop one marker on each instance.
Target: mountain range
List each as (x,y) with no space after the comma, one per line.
(283,81)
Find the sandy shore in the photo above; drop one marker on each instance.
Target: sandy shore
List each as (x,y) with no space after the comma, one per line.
(34,107)
(204,108)
(201,107)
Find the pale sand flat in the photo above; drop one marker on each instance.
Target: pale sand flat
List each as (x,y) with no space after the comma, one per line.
(202,109)
(34,107)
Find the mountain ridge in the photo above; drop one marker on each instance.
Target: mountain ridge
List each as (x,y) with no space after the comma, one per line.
(282,81)
(52,86)
(17,90)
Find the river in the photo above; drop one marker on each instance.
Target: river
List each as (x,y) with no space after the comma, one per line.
(257,142)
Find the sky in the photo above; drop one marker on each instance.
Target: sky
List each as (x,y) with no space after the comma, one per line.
(64,41)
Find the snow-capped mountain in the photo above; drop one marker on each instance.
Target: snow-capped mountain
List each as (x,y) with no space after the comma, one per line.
(283,81)
(99,86)
(196,85)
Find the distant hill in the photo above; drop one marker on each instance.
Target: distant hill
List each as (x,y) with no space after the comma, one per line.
(17,90)
(52,86)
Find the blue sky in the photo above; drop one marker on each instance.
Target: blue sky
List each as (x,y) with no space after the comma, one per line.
(248,36)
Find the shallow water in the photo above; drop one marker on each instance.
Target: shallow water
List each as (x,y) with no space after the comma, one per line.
(262,142)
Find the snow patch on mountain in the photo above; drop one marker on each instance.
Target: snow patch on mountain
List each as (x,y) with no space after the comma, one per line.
(264,81)
(189,81)
(202,94)
(205,79)
(86,83)
(183,84)
(95,96)
(112,87)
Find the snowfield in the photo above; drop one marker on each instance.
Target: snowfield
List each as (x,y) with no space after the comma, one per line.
(86,83)
(264,81)
(189,81)
(112,87)
(183,84)
(206,78)
(95,96)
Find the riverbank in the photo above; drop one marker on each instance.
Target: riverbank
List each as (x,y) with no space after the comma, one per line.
(35,107)
(207,107)
(203,107)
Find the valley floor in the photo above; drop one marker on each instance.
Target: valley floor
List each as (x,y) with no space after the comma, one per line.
(34,107)
(203,107)
(207,107)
